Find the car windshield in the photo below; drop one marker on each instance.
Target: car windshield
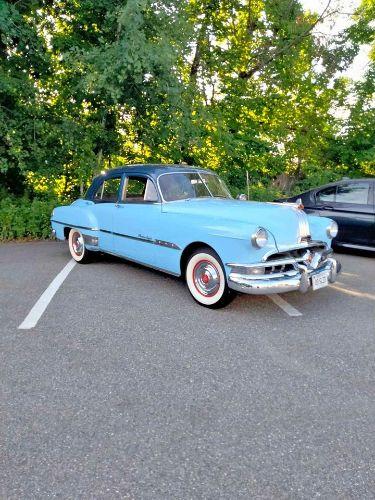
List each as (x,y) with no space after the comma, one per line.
(182,186)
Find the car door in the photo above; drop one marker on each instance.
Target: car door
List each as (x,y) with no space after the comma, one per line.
(105,198)
(350,204)
(315,202)
(321,202)
(136,221)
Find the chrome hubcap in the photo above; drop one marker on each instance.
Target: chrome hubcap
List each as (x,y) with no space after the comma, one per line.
(206,278)
(77,243)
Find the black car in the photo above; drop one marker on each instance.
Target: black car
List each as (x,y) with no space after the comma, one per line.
(351,203)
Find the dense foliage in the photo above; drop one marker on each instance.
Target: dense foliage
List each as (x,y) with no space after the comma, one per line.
(240,86)
(24,218)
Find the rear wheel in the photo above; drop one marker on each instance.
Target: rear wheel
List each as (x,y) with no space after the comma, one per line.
(205,278)
(77,247)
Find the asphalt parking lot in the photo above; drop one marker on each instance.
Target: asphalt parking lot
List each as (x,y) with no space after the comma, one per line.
(126,388)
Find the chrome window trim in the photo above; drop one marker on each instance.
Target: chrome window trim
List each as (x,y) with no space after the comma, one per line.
(101,187)
(220,180)
(122,199)
(187,172)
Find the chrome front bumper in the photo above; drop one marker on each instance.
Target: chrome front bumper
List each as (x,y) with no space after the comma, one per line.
(296,279)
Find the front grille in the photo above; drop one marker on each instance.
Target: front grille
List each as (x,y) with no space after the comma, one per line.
(274,262)
(296,253)
(282,268)
(285,262)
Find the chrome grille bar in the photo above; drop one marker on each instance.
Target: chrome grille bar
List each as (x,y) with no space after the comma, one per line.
(303,225)
(269,263)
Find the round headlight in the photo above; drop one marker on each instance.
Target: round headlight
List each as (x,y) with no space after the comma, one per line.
(332,229)
(259,238)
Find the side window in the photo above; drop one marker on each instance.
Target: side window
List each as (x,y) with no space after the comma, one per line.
(139,190)
(354,192)
(108,190)
(326,195)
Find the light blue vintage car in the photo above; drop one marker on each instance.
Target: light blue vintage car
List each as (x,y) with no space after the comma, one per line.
(183,220)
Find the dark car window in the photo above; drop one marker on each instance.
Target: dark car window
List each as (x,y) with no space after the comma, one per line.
(183,185)
(354,192)
(326,195)
(139,190)
(180,186)
(215,186)
(108,190)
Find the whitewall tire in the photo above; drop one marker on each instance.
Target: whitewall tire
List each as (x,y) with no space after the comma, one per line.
(205,278)
(77,247)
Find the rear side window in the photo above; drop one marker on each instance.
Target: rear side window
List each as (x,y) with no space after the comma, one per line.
(353,192)
(108,190)
(326,195)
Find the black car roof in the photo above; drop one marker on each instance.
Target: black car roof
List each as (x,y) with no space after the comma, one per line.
(341,181)
(153,169)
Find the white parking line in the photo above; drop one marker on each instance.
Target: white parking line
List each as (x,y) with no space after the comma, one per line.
(284,305)
(356,293)
(349,274)
(41,305)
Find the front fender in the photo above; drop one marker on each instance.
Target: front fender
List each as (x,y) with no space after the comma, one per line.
(232,242)
(318,228)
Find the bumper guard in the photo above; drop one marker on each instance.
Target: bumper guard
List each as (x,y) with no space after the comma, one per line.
(297,279)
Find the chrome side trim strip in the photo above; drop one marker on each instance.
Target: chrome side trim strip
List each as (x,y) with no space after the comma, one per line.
(360,247)
(78,227)
(161,243)
(167,244)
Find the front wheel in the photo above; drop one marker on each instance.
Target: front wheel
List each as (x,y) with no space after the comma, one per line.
(205,278)
(77,247)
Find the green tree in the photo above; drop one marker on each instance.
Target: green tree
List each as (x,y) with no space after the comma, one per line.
(354,150)
(238,86)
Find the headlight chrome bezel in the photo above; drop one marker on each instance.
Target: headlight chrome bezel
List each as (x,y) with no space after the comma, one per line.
(259,238)
(332,230)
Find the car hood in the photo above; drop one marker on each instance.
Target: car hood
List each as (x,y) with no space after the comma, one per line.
(283,221)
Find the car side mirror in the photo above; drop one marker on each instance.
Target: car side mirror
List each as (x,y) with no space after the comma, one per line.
(242,197)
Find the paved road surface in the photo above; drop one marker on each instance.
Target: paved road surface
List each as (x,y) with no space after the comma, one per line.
(126,388)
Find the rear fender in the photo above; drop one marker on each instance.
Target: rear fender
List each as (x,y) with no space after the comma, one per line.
(77,215)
